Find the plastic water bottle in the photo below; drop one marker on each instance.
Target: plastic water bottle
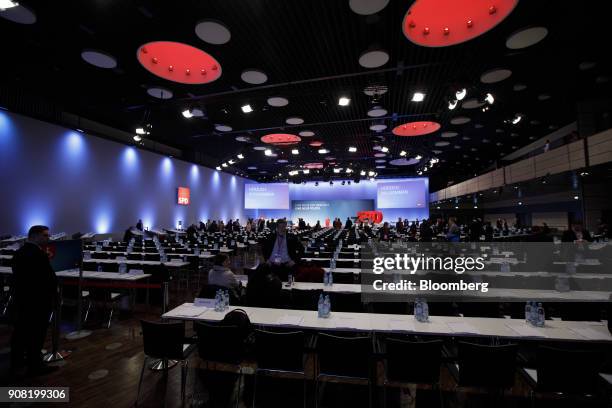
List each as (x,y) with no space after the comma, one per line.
(424,311)
(527,312)
(418,310)
(122,268)
(541,318)
(290,280)
(326,278)
(320,306)
(225,300)
(99,268)
(330,279)
(326,306)
(218,301)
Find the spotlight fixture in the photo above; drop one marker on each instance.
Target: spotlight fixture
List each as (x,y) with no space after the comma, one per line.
(344,101)
(137,138)
(352,149)
(362,173)
(7,4)
(349,170)
(371,173)
(223,164)
(384,149)
(418,157)
(187,114)
(489,99)
(323,151)
(460,94)
(452,104)
(520,203)
(230,162)
(420,173)
(246,108)
(140,131)
(576,197)
(516,119)
(293,172)
(418,97)
(268,152)
(218,168)
(307,171)
(403,153)
(337,170)
(240,156)
(295,151)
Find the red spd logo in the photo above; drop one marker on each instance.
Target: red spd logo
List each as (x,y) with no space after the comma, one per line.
(183,196)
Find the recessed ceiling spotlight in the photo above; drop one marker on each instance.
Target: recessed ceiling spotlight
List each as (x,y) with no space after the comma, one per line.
(295,151)
(187,114)
(352,149)
(240,156)
(223,128)
(140,131)
(268,152)
(384,149)
(344,101)
(516,119)
(247,108)
(7,4)
(489,99)
(137,138)
(418,97)
(403,153)
(323,151)
(218,168)
(452,104)
(223,164)
(460,94)
(337,170)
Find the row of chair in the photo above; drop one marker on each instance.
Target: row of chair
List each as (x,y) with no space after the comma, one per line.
(354,357)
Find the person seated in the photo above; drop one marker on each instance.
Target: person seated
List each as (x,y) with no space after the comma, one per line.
(576,234)
(192,232)
(385,232)
(282,251)
(454,233)
(488,232)
(317,226)
(425,231)
(545,228)
(264,288)
(399,226)
(221,274)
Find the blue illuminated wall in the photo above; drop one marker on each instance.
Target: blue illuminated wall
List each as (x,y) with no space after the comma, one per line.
(74,182)
(364,190)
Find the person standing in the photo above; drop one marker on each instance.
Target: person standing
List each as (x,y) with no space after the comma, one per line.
(35,296)
(139,225)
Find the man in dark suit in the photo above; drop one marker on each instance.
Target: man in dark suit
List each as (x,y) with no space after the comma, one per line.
(282,251)
(35,296)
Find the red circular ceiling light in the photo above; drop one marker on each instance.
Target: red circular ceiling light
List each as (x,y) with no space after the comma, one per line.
(316,144)
(281,139)
(313,166)
(179,62)
(440,23)
(416,128)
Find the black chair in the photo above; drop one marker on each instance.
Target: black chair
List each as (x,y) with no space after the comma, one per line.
(344,358)
(279,352)
(567,373)
(484,366)
(346,302)
(223,344)
(409,362)
(342,277)
(165,341)
(305,299)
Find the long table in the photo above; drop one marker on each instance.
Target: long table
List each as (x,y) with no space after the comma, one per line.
(374,322)
(177,264)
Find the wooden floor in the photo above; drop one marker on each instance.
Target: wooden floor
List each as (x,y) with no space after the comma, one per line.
(103,369)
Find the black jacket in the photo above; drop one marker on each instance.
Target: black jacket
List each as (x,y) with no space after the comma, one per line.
(295,250)
(34,281)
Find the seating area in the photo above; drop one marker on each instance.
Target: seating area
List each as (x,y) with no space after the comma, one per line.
(316,204)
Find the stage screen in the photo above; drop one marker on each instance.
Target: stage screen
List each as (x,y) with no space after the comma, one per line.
(269,196)
(408,193)
(313,210)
